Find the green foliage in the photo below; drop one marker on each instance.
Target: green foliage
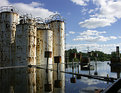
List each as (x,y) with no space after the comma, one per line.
(101,56)
(69,52)
(113,54)
(76,60)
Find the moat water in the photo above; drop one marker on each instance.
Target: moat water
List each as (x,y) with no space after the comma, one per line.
(36,80)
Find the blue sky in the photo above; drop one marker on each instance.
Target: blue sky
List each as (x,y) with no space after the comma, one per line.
(89,23)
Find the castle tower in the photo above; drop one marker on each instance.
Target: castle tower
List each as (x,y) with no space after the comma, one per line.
(44,43)
(8,22)
(57,26)
(26,42)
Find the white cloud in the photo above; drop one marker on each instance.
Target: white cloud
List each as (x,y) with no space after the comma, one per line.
(90,89)
(80,2)
(109,12)
(90,81)
(93,36)
(92,39)
(67,34)
(119,36)
(113,37)
(92,32)
(91,10)
(4,3)
(71,32)
(34,8)
(36,4)
(84,10)
(97,22)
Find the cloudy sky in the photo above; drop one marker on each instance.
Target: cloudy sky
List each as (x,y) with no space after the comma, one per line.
(89,23)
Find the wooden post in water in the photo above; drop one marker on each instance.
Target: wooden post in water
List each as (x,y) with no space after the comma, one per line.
(96,55)
(48,54)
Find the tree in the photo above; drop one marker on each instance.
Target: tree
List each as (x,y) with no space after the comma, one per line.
(101,55)
(113,54)
(69,52)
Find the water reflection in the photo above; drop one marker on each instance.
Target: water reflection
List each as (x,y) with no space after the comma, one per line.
(59,79)
(116,69)
(78,76)
(31,80)
(13,81)
(88,85)
(73,79)
(48,81)
(35,80)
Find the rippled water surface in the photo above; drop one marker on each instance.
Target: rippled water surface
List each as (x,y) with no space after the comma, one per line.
(36,80)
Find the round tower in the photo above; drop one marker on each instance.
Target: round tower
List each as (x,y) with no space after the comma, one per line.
(8,22)
(26,42)
(57,26)
(44,45)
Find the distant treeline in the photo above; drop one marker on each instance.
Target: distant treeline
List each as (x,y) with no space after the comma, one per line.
(101,55)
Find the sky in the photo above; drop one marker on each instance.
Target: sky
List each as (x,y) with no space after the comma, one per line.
(89,24)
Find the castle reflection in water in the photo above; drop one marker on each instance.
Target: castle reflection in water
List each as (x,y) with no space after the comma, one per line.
(36,80)
(32,80)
